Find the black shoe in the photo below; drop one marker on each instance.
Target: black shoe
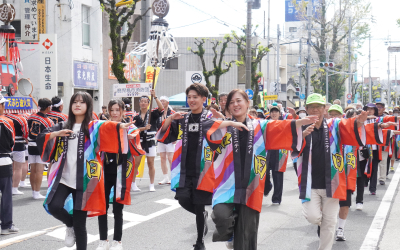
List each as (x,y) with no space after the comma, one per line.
(205,224)
(199,246)
(382,182)
(318,231)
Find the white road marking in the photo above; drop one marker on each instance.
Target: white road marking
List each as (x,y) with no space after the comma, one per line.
(374,233)
(134,219)
(20,238)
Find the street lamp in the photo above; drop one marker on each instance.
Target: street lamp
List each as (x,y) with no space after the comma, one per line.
(362,84)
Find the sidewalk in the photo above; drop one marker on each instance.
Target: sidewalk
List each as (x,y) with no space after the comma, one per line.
(390,237)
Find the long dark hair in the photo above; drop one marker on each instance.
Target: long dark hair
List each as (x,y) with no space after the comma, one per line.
(88,115)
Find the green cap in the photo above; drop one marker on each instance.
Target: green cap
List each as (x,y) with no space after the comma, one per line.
(315,98)
(337,108)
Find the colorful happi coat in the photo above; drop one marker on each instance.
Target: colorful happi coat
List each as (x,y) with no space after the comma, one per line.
(178,131)
(387,147)
(351,163)
(337,132)
(248,189)
(105,136)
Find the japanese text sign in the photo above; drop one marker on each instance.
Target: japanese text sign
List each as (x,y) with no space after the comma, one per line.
(48,65)
(85,75)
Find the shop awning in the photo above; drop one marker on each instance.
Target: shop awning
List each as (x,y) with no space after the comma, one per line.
(178,100)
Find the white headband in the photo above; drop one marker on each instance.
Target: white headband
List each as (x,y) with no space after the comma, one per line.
(164,98)
(58,104)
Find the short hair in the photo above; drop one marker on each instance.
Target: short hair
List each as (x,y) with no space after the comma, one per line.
(103,107)
(222,95)
(55,100)
(338,101)
(44,103)
(200,89)
(232,93)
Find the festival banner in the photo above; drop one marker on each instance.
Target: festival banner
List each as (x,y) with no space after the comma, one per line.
(131,90)
(19,103)
(150,75)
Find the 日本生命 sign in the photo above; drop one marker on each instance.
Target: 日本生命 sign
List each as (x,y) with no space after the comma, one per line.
(131,90)
(85,75)
(48,65)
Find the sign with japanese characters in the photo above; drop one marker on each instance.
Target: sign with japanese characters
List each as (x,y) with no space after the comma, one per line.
(131,90)
(41,14)
(29,20)
(85,75)
(48,65)
(19,103)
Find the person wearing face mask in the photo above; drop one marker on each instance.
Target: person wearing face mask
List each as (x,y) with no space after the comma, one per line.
(301,112)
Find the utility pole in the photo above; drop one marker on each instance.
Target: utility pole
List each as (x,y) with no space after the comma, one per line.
(277,61)
(350,75)
(264,24)
(248,45)
(395,77)
(389,104)
(327,77)
(300,69)
(268,80)
(370,79)
(309,15)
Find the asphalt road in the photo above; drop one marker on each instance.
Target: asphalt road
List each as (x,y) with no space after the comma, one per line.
(156,221)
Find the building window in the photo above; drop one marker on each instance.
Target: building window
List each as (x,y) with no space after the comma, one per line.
(292,29)
(17,25)
(85,25)
(172,63)
(124,29)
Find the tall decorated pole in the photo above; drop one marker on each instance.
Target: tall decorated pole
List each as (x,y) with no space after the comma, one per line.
(160,46)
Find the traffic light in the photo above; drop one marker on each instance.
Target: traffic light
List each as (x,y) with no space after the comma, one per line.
(326,64)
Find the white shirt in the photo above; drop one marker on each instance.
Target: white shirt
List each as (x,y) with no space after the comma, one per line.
(68,177)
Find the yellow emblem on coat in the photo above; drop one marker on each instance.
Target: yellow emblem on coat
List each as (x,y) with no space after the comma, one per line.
(93,168)
(260,165)
(351,160)
(208,153)
(338,162)
(398,144)
(180,133)
(225,142)
(129,169)
(59,150)
(284,151)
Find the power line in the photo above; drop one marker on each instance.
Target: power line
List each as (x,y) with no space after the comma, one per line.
(191,24)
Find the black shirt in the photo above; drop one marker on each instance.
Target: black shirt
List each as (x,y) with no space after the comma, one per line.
(318,159)
(193,143)
(243,139)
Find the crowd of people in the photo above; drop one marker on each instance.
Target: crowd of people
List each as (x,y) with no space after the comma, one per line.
(221,155)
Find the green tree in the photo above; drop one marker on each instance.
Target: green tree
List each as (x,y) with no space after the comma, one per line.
(220,67)
(398,22)
(118,16)
(330,33)
(258,52)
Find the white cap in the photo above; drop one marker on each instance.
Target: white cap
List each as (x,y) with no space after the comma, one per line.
(3,99)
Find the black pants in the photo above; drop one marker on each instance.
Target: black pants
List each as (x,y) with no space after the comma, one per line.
(361,181)
(295,167)
(374,172)
(109,182)
(277,178)
(194,201)
(268,184)
(77,221)
(388,165)
(6,202)
(239,220)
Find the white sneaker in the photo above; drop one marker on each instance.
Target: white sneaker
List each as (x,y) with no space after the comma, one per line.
(135,188)
(340,235)
(151,188)
(164,181)
(116,245)
(69,237)
(229,243)
(15,191)
(11,230)
(37,196)
(103,245)
(23,184)
(359,206)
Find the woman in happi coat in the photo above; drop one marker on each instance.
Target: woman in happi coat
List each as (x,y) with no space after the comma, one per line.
(75,148)
(192,174)
(118,175)
(240,168)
